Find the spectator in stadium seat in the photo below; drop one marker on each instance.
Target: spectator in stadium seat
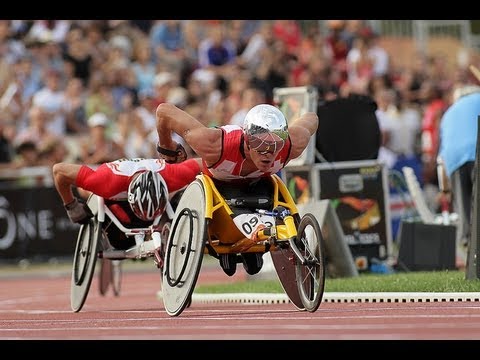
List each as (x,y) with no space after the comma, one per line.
(458,142)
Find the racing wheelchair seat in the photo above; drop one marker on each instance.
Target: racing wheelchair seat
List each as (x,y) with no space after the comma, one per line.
(207,222)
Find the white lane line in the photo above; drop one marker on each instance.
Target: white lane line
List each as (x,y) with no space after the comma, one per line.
(277,327)
(212,317)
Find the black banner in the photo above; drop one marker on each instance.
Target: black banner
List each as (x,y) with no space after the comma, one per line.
(358,193)
(34,225)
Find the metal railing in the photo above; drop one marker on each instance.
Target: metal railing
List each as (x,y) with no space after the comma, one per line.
(26,177)
(422,30)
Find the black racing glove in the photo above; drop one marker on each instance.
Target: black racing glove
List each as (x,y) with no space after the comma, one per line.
(78,212)
(172,156)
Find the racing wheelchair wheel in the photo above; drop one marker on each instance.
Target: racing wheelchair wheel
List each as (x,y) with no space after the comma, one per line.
(116,276)
(105,275)
(184,250)
(110,273)
(284,263)
(84,260)
(310,275)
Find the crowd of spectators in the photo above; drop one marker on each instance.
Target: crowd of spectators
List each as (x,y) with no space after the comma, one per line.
(86,90)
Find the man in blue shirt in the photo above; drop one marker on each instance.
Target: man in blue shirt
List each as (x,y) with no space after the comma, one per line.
(458,141)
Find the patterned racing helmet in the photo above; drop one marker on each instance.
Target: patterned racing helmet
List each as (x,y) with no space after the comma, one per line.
(147,195)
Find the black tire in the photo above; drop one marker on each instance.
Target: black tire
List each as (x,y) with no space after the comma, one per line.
(189,301)
(85,257)
(310,276)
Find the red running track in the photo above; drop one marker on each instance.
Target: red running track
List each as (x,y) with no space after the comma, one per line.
(38,308)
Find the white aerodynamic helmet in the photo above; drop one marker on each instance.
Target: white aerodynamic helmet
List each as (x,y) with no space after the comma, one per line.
(147,195)
(265,128)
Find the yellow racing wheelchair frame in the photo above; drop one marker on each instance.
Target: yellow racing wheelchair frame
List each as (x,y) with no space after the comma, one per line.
(203,224)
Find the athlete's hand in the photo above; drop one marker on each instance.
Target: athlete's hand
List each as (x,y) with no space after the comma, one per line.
(172,156)
(78,212)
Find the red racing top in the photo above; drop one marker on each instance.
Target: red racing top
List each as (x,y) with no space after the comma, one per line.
(110,180)
(229,166)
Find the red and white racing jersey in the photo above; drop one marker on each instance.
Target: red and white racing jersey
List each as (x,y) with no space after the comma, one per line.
(110,180)
(229,166)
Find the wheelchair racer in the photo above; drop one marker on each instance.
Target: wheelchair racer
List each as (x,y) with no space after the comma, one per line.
(147,184)
(240,160)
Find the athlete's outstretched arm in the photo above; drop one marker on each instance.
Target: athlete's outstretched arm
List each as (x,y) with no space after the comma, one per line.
(301,130)
(64,176)
(206,142)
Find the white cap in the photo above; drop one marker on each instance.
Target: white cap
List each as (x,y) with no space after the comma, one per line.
(98,119)
(162,78)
